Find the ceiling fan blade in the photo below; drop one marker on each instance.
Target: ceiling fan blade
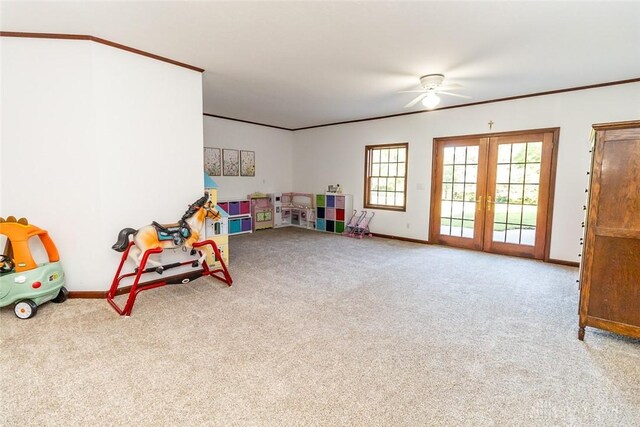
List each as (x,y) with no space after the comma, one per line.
(412,91)
(415,100)
(453,94)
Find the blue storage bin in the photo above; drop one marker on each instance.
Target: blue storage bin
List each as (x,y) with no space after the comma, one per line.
(320,224)
(235,226)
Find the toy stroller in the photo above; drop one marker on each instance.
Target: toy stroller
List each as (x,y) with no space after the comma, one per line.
(353,223)
(362,228)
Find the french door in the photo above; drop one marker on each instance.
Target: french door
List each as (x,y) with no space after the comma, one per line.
(493,192)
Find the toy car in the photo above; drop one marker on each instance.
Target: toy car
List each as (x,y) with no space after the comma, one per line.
(22,281)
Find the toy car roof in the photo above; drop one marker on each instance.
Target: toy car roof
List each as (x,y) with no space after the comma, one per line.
(18,233)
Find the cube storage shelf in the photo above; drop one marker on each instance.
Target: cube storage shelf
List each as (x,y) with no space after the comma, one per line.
(333,211)
(239,215)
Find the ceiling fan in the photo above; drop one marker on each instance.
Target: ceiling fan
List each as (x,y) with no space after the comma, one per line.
(431,88)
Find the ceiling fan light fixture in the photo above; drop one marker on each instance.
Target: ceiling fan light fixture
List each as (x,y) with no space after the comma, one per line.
(431,101)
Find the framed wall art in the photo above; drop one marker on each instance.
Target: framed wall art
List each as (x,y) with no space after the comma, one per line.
(230,162)
(247,163)
(212,161)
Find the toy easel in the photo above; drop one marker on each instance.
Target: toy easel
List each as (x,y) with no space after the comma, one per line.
(220,273)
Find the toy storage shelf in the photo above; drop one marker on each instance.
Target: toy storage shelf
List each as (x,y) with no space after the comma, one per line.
(333,211)
(239,215)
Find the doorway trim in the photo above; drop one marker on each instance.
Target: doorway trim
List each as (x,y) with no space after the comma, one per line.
(552,177)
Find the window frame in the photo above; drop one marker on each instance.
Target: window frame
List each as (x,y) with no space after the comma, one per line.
(368,158)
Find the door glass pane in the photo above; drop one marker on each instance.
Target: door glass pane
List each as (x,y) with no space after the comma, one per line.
(502,193)
(534,152)
(529,216)
(471,174)
(518,153)
(531,194)
(447,174)
(456,227)
(513,214)
(517,173)
(467,229)
(532,174)
(504,153)
(470,192)
(516,193)
(498,232)
(447,191)
(472,155)
(445,226)
(445,209)
(458,192)
(460,155)
(500,214)
(513,234)
(469,210)
(456,210)
(448,155)
(459,186)
(528,236)
(502,174)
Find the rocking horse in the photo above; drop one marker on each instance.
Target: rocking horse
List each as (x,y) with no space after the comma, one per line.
(153,239)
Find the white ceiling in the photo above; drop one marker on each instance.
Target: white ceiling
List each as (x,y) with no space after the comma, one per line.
(297,64)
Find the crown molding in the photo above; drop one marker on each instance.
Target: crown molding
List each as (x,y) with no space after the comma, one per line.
(101,41)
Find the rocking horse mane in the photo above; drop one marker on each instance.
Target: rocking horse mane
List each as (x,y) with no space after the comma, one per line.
(193,208)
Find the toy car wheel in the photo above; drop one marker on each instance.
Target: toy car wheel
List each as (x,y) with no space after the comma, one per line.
(25,309)
(62,296)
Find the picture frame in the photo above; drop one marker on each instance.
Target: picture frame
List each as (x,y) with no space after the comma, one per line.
(247,163)
(230,162)
(212,161)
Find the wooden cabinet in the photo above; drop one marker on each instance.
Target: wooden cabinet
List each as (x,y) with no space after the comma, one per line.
(610,270)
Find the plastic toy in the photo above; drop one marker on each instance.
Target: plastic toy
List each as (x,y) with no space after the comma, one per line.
(22,281)
(153,239)
(358,225)
(362,229)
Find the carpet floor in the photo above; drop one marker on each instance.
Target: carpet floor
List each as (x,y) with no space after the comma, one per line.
(326,330)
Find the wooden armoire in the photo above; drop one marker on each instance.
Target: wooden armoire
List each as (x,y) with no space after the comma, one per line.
(610,270)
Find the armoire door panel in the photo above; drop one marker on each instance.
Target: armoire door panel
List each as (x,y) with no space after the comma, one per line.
(610,300)
(620,185)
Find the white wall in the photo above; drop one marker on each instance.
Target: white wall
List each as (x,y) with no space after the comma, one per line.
(335,154)
(273,148)
(95,139)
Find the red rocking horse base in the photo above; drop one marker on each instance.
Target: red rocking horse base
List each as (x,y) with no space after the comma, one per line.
(221,274)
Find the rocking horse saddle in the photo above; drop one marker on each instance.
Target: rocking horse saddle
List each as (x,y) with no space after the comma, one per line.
(177,232)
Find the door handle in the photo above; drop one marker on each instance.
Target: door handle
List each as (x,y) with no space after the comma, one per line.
(479,203)
(489,203)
